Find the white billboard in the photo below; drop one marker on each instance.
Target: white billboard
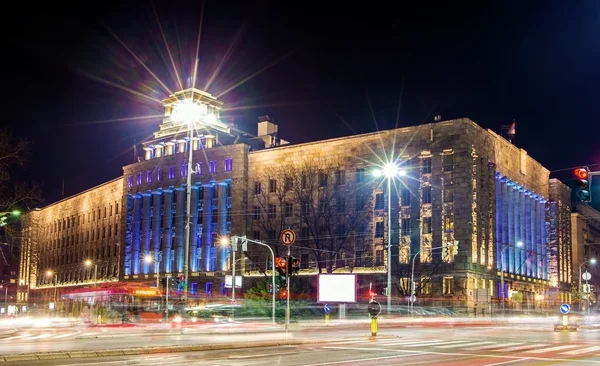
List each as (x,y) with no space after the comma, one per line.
(337,288)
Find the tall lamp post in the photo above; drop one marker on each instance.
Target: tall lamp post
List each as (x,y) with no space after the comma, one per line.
(389,171)
(504,247)
(50,273)
(149,259)
(591,261)
(88,264)
(189,112)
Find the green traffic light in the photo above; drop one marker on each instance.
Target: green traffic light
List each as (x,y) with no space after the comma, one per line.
(16,213)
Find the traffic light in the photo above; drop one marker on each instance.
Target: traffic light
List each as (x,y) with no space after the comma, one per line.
(283,294)
(583,184)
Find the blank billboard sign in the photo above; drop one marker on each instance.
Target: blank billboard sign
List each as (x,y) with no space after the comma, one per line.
(337,288)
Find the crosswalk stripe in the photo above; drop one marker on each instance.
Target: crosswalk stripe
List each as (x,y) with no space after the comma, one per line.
(460,345)
(41,336)
(405,342)
(16,337)
(551,349)
(497,345)
(581,350)
(519,348)
(451,344)
(428,344)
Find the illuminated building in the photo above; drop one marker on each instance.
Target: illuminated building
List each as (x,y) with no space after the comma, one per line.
(463,185)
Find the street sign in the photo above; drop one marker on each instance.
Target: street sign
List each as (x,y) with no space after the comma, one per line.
(413,298)
(374,308)
(327,308)
(586,276)
(565,308)
(288,237)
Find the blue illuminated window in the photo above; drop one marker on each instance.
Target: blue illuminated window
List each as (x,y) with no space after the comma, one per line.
(158,174)
(139,179)
(130,181)
(171,172)
(184,170)
(228,165)
(148,176)
(212,167)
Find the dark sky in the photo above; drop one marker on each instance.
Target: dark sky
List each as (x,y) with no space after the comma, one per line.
(67,69)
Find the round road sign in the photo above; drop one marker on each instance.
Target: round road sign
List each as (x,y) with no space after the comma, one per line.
(586,276)
(565,308)
(287,237)
(327,308)
(374,308)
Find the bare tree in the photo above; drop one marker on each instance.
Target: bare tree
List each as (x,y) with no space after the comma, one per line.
(316,200)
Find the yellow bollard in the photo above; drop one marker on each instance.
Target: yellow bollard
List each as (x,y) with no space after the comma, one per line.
(565,320)
(326,318)
(373,326)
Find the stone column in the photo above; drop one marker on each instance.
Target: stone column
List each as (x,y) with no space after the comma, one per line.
(180,217)
(207,230)
(145,236)
(156,220)
(167,232)
(137,217)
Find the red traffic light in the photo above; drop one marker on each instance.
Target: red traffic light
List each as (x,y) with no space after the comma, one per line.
(581,173)
(182,278)
(283,294)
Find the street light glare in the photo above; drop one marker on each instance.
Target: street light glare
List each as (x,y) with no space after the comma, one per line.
(88,262)
(187,111)
(148,258)
(224,241)
(519,243)
(593,261)
(390,170)
(16,213)
(377,173)
(49,273)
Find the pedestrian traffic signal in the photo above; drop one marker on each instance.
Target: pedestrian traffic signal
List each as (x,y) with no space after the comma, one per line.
(283,294)
(583,191)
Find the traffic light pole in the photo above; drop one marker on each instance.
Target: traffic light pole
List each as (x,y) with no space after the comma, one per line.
(287,280)
(167,302)
(272,273)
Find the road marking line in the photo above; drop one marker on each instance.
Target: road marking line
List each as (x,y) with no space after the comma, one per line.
(519,348)
(40,336)
(17,337)
(460,345)
(362,359)
(432,343)
(580,351)
(497,345)
(504,363)
(65,335)
(551,349)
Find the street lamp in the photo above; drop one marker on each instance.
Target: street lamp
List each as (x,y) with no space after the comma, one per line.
(88,263)
(4,216)
(149,259)
(591,261)
(389,171)
(411,298)
(518,245)
(189,112)
(50,273)
(5,300)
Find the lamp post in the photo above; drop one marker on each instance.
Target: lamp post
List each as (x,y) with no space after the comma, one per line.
(5,300)
(504,247)
(591,261)
(412,272)
(50,273)
(149,259)
(88,263)
(390,170)
(189,112)
(272,273)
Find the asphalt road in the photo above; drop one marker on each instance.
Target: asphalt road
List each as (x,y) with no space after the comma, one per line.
(493,345)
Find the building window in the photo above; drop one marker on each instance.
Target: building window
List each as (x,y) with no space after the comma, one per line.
(288,184)
(272,185)
(448,285)
(130,181)
(139,179)
(379,229)
(256,235)
(172,172)
(256,213)
(405,227)
(360,175)
(228,165)
(184,170)
(448,193)
(360,202)
(148,176)
(304,181)
(158,174)
(426,225)
(405,197)
(322,179)
(304,261)
(379,201)
(426,168)
(448,162)
(449,223)
(379,257)
(340,177)
(426,194)
(257,188)
(212,166)
(271,211)
(340,204)
(289,209)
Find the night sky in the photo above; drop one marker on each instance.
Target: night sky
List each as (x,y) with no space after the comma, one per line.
(71,81)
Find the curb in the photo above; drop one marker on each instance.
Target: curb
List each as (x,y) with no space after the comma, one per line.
(151,350)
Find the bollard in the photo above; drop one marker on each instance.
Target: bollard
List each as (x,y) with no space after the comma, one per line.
(565,320)
(373,326)
(326,318)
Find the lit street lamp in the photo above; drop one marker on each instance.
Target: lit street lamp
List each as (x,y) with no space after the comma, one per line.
(150,259)
(389,171)
(518,245)
(591,261)
(88,263)
(4,216)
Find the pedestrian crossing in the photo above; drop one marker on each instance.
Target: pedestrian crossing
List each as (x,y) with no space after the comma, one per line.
(46,336)
(501,347)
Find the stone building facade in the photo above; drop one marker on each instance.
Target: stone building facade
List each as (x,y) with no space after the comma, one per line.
(463,185)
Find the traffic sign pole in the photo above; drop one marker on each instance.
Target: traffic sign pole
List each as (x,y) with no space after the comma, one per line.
(287,238)
(327,309)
